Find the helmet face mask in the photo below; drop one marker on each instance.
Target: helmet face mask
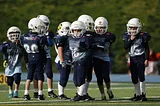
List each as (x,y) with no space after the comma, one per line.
(134,26)
(63,28)
(13,33)
(77,29)
(88,22)
(101,25)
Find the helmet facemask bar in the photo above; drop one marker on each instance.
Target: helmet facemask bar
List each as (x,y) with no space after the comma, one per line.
(13,36)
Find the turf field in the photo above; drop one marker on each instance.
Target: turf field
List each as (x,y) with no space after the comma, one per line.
(122,92)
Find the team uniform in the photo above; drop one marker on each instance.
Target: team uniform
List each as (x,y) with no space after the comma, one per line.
(101,59)
(13,54)
(62,41)
(79,48)
(34,46)
(138,52)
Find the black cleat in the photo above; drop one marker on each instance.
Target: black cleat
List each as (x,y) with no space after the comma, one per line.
(51,94)
(35,95)
(104,98)
(63,97)
(143,97)
(78,98)
(137,98)
(110,94)
(88,98)
(27,97)
(41,97)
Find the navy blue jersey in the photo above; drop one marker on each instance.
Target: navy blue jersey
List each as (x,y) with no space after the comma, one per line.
(79,47)
(62,41)
(12,52)
(34,46)
(138,46)
(101,45)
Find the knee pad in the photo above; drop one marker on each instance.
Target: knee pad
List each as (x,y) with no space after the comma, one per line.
(17,80)
(49,74)
(63,83)
(134,81)
(107,79)
(9,81)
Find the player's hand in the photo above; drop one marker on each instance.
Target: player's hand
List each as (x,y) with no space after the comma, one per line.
(133,37)
(5,63)
(63,64)
(146,63)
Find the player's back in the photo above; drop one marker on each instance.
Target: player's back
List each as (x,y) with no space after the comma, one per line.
(34,46)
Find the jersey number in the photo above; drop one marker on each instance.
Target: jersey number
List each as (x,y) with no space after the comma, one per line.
(31,48)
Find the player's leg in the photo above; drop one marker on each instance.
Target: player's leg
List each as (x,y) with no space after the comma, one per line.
(141,75)
(98,72)
(106,76)
(49,74)
(79,79)
(10,80)
(17,80)
(40,76)
(64,76)
(31,69)
(135,81)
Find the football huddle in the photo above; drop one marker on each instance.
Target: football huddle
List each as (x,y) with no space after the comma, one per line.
(83,46)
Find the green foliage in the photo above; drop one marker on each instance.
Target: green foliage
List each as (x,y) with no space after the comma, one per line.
(117,12)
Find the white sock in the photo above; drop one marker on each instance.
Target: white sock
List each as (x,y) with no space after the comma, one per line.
(142,87)
(137,88)
(40,92)
(81,90)
(10,91)
(49,89)
(26,92)
(86,88)
(60,89)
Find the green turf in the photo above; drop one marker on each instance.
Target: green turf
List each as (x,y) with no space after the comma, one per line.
(122,92)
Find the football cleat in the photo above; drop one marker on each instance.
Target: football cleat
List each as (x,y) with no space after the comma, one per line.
(15,95)
(88,98)
(41,97)
(51,94)
(110,94)
(143,97)
(35,95)
(63,97)
(10,95)
(78,98)
(103,98)
(27,97)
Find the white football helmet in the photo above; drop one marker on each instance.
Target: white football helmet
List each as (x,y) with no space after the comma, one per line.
(88,22)
(37,25)
(77,29)
(63,28)
(13,33)
(101,25)
(45,19)
(134,26)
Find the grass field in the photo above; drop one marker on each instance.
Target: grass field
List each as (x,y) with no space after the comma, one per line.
(122,92)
